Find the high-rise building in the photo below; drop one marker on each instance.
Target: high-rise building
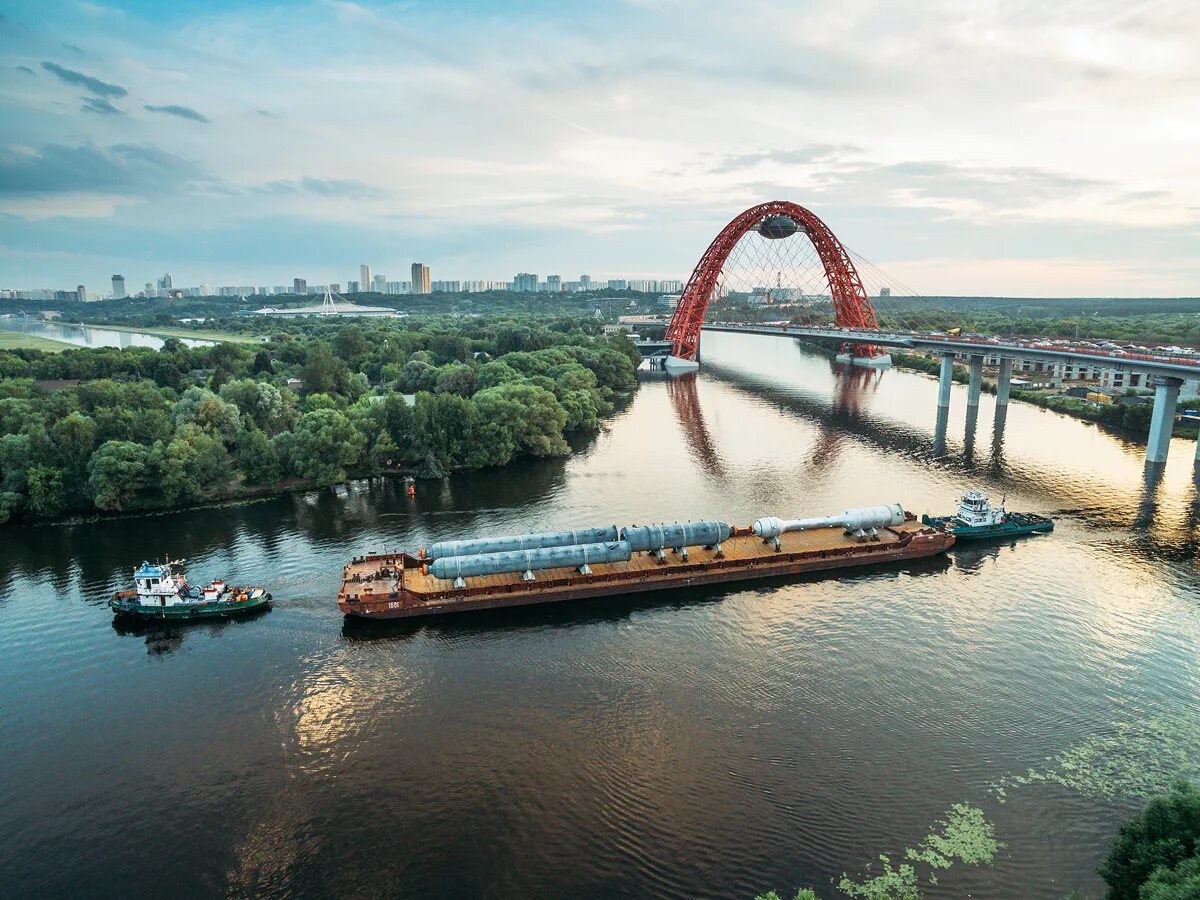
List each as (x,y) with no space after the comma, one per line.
(351,287)
(379,284)
(364,277)
(164,283)
(81,293)
(585,282)
(420,278)
(884,293)
(335,288)
(446,287)
(554,283)
(618,284)
(118,282)
(525,283)
(299,286)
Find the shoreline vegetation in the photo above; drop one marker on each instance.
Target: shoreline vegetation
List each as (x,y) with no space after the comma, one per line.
(19,340)
(321,403)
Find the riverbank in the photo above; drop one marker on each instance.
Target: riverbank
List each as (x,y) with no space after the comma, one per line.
(19,340)
(198,334)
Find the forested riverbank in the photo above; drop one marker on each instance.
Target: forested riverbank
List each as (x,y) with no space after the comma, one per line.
(318,403)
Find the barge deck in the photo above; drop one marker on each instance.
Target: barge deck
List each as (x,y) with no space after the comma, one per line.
(395,585)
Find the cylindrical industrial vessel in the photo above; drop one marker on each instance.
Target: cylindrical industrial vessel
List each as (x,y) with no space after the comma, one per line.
(530,560)
(522,542)
(859,519)
(676,536)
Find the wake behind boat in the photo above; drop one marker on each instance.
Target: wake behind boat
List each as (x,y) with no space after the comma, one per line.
(163,593)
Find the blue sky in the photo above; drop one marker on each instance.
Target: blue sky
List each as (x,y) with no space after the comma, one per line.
(967,148)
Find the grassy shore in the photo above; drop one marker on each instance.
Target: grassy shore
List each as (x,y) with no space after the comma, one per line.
(198,334)
(18,340)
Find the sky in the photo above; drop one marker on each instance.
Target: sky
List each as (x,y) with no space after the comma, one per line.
(1017,148)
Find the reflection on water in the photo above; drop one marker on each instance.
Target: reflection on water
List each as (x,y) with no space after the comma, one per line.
(91,335)
(162,637)
(718,740)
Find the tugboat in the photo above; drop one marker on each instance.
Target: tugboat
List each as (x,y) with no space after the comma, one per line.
(977,520)
(162,593)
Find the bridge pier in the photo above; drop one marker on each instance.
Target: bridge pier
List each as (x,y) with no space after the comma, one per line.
(1004,381)
(975,381)
(945,380)
(1162,422)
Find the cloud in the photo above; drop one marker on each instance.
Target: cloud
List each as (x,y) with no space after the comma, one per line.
(95,85)
(267,114)
(101,106)
(812,153)
(184,112)
(350,188)
(26,69)
(128,169)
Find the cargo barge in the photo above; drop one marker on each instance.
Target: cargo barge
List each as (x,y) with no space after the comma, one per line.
(462,576)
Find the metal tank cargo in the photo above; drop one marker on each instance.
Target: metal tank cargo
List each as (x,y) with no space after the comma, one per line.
(519,570)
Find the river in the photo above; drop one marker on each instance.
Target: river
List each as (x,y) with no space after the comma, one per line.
(714,742)
(91,335)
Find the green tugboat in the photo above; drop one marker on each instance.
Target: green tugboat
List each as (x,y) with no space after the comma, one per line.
(978,520)
(161,593)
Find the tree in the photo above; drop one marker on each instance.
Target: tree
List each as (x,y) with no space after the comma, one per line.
(191,465)
(326,443)
(323,372)
(456,378)
(262,363)
(208,412)
(271,409)
(417,376)
(350,344)
(117,472)
(384,451)
(1179,883)
(443,425)
(74,439)
(257,458)
(496,373)
(515,418)
(1165,834)
(46,495)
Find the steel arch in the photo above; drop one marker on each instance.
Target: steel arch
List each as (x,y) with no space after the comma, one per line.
(852,308)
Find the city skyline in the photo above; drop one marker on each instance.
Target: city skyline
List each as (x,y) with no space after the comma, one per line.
(967,150)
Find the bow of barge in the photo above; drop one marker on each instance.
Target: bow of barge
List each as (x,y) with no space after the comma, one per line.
(397,585)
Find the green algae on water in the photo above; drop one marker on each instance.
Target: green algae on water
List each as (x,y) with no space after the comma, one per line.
(1138,759)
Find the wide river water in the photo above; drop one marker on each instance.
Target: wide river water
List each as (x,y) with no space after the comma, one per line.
(714,742)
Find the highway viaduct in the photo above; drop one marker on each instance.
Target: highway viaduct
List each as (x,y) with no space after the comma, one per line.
(1168,373)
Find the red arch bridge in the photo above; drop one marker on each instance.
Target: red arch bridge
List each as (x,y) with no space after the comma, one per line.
(856,329)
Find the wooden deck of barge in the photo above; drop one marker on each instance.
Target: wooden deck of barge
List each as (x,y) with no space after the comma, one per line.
(388,585)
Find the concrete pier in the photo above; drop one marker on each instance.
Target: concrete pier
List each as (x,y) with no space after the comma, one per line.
(1162,423)
(975,381)
(945,380)
(1004,381)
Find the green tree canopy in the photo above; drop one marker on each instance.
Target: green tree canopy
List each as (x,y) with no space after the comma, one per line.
(117,473)
(1165,834)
